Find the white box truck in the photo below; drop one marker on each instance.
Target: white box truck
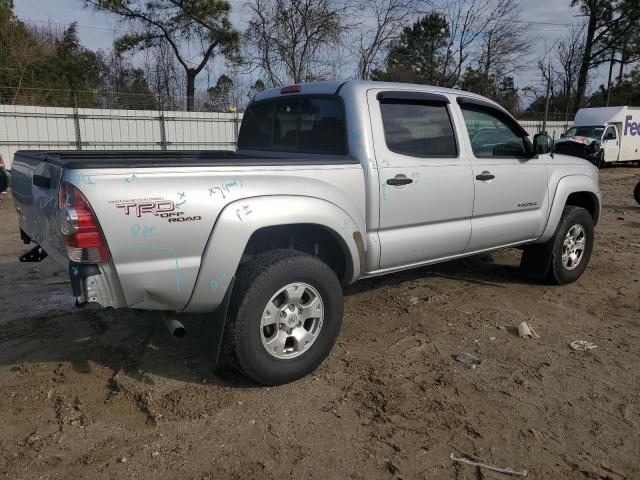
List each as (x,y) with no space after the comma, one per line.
(603,135)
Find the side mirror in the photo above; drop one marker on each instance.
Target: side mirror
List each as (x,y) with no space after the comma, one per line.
(563,135)
(541,143)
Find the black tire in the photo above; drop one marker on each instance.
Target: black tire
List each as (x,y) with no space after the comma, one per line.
(558,272)
(256,283)
(600,163)
(636,193)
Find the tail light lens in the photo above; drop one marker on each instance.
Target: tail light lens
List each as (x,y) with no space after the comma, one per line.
(83,237)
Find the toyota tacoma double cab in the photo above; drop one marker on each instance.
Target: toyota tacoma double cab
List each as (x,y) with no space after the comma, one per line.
(330,183)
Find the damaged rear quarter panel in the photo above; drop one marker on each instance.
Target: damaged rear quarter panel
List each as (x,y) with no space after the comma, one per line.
(157,222)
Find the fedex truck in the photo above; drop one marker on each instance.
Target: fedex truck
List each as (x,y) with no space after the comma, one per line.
(603,135)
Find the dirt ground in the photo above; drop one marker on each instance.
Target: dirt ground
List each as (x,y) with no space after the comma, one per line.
(107,394)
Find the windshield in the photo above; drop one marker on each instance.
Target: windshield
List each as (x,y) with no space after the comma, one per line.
(591,132)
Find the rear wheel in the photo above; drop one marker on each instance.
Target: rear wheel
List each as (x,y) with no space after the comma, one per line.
(636,193)
(572,245)
(285,315)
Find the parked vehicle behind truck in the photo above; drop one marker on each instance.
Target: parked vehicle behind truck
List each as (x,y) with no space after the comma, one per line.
(603,135)
(331,183)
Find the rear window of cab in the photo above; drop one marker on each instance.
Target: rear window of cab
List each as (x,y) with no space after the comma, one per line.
(306,124)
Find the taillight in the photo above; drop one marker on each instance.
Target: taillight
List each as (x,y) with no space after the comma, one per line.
(290,89)
(1,162)
(83,237)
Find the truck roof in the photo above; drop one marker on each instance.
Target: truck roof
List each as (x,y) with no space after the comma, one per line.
(334,87)
(602,115)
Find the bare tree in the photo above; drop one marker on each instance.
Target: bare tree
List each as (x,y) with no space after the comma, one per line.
(292,40)
(467,22)
(547,74)
(503,42)
(389,17)
(569,57)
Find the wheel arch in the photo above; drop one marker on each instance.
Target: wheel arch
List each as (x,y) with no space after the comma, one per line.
(577,190)
(250,225)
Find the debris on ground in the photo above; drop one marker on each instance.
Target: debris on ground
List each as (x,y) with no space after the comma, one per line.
(582,345)
(493,468)
(525,331)
(471,361)
(391,467)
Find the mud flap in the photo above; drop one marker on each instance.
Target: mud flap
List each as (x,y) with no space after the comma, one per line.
(213,328)
(36,254)
(536,259)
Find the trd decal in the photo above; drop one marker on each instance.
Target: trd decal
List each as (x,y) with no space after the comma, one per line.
(155,208)
(159,208)
(527,204)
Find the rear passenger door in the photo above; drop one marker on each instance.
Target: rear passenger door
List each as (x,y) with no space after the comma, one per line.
(511,198)
(426,188)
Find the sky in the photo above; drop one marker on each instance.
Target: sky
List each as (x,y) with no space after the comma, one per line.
(98,31)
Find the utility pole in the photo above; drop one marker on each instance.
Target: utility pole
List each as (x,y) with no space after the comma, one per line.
(547,98)
(613,55)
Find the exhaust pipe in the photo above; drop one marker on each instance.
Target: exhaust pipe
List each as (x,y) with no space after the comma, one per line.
(175,327)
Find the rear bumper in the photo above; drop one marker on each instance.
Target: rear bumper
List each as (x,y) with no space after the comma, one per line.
(96,284)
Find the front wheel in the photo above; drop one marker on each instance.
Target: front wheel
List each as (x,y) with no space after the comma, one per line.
(636,193)
(572,245)
(285,315)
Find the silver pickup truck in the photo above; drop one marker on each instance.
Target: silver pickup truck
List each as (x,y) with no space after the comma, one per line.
(331,183)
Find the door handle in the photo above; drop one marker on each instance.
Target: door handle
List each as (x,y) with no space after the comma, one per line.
(484,176)
(399,181)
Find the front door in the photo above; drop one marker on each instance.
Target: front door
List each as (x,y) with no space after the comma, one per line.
(610,144)
(511,198)
(426,188)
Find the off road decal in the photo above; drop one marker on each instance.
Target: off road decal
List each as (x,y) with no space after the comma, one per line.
(159,208)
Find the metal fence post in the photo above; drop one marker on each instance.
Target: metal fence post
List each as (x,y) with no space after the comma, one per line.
(163,132)
(235,128)
(76,122)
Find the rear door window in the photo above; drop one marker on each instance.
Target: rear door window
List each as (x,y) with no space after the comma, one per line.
(418,128)
(298,124)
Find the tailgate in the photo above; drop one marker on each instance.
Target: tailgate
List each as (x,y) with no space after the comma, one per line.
(35,185)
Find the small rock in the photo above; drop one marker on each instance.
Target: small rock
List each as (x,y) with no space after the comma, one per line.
(491,339)
(155,454)
(413,300)
(252,421)
(123,460)
(240,402)
(140,372)
(468,359)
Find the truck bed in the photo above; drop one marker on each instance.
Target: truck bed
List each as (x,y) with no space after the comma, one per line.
(88,159)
